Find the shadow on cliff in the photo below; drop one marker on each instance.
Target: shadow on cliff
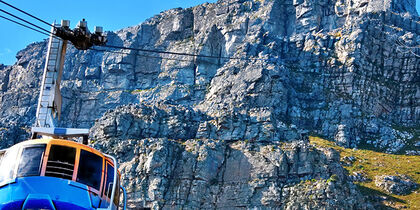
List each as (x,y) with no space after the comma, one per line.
(379,198)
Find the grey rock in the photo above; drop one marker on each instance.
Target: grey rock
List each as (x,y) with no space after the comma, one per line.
(399,185)
(412,152)
(170,170)
(212,132)
(348,160)
(359,177)
(319,76)
(342,136)
(194,173)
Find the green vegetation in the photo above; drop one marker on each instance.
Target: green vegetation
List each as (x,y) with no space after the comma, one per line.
(333,178)
(373,163)
(336,34)
(141,90)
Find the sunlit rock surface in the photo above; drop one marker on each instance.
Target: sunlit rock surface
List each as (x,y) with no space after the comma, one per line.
(213,132)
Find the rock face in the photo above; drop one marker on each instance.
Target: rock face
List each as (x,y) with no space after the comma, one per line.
(340,69)
(399,185)
(229,129)
(163,168)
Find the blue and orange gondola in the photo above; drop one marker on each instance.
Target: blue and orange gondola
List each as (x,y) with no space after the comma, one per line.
(58,174)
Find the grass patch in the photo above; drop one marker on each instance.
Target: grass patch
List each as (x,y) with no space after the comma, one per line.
(141,90)
(374,163)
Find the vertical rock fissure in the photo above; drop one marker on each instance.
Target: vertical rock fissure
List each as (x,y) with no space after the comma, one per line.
(6,80)
(221,173)
(135,79)
(194,168)
(77,111)
(175,159)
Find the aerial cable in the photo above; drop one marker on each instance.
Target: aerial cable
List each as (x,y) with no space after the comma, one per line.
(99,50)
(24,25)
(46,32)
(146,56)
(121,47)
(138,49)
(24,20)
(39,19)
(176,53)
(184,54)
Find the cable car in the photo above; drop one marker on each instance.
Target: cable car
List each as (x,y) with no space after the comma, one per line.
(58,174)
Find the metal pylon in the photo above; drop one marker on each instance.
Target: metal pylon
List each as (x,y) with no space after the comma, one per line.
(49,103)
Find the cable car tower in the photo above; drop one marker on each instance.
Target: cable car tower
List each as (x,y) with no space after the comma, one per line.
(52,172)
(49,103)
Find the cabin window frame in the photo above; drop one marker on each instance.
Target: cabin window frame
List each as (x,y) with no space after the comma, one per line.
(105,193)
(110,165)
(117,195)
(20,156)
(92,189)
(47,157)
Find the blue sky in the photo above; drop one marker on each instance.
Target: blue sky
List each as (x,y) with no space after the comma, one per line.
(110,14)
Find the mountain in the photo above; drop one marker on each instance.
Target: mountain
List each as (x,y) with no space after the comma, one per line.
(232,131)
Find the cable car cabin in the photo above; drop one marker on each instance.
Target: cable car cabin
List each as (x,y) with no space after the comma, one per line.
(58,174)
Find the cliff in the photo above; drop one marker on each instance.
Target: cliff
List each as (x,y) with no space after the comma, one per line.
(190,173)
(222,133)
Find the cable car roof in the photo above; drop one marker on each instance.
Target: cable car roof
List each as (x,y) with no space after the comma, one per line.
(61,142)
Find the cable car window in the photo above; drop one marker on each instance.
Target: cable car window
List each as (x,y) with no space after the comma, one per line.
(90,169)
(8,163)
(117,192)
(30,161)
(109,179)
(2,152)
(109,184)
(61,162)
